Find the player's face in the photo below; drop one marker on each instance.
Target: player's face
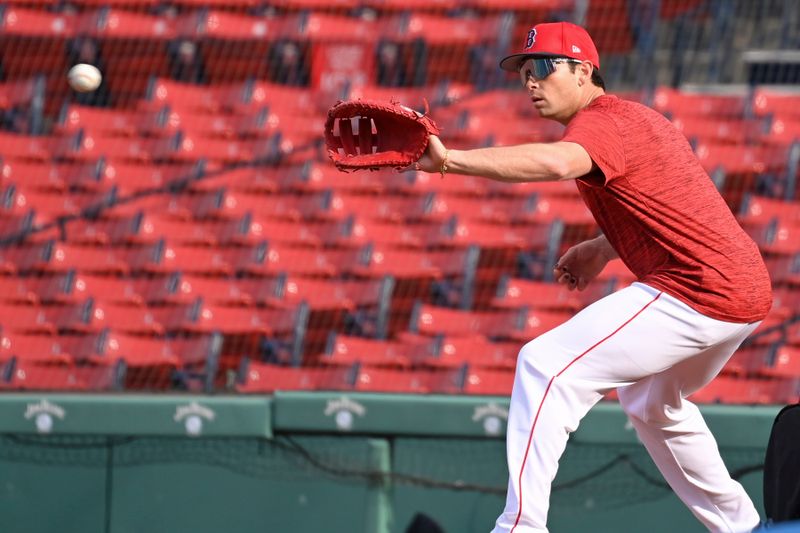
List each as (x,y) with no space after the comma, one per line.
(552,87)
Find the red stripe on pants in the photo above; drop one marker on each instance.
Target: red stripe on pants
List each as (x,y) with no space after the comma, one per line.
(541,403)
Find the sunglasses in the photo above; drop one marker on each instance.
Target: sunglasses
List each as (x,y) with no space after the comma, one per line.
(538,69)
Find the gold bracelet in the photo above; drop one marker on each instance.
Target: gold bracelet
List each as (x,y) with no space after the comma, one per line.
(443,169)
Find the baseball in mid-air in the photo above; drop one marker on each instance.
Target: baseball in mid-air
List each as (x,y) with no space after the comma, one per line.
(84,77)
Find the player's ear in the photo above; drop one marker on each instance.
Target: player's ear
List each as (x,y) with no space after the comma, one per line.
(584,71)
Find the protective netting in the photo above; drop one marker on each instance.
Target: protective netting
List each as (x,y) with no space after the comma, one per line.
(181,228)
(611,475)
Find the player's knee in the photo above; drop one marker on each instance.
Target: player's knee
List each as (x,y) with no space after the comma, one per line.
(647,406)
(536,357)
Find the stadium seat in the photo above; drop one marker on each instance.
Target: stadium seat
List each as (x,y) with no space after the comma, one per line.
(108,122)
(268,259)
(124,290)
(762,209)
(100,259)
(784,269)
(258,377)
(785,362)
(776,237)
(50,205)
(344,350)
(139,320)
(514,292)
(381,207)
(487,381)
(41,349)
(453,351)
(101,231)
(784,131)
(226,291)
(748,391)
(49,175)
(130,178)
(25,257)
(17,92)
(776,101)
(705,104)
(377,379)
(314,234)
(518,324)
(203,260)
(15,318)
(732,131)
(15,289)
(32,376)
(135,350)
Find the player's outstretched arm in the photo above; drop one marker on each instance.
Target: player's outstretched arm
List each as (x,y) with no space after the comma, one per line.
(583,262)
(520,163)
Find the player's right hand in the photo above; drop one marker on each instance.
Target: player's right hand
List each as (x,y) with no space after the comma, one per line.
(580,265)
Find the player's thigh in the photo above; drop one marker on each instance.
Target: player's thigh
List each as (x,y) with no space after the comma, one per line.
(694,373)
(633,333)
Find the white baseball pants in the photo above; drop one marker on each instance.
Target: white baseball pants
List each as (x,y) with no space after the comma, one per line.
(655,350)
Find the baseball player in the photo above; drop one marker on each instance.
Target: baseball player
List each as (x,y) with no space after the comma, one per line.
(701,288)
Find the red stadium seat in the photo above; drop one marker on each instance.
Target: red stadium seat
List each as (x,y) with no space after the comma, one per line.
(783,131)
(206,99)
(193,260)
(776,236)
(136,350)
(114,289)
(377,379)
(715,129)
(785,362)
(784,269)
(48,175)
(454,351)
(14,289)
(343,350)
(258,377)
(520,325)
(269,259)
(17,92)
(104,121)
(489,381)
(513,293)
(32,376)
(234,46)
(381,207)
(684,103)
(100,259)
(17,147)
(769,101)
(25,257)
(102,231)
(42,349)
(132,177)
(226,291)
(16,318)
(762,209)
(748,391)
(139,320)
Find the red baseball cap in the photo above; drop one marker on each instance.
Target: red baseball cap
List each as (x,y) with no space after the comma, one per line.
(554,39)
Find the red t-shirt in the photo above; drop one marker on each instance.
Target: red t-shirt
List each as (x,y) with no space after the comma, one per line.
(662,214)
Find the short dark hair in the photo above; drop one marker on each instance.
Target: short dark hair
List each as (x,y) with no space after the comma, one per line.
(597,79)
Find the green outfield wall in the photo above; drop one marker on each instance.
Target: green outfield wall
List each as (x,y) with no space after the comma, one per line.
(332,463)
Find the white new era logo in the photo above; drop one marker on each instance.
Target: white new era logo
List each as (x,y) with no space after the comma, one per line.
(575,49)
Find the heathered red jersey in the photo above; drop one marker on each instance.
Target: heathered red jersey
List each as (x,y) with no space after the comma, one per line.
(663,215)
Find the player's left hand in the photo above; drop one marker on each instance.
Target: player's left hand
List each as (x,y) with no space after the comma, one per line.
(431,160)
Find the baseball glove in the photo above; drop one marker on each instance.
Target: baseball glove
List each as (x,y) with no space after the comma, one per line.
(368,134)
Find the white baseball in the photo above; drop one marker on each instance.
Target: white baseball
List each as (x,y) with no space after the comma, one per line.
(84,77)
